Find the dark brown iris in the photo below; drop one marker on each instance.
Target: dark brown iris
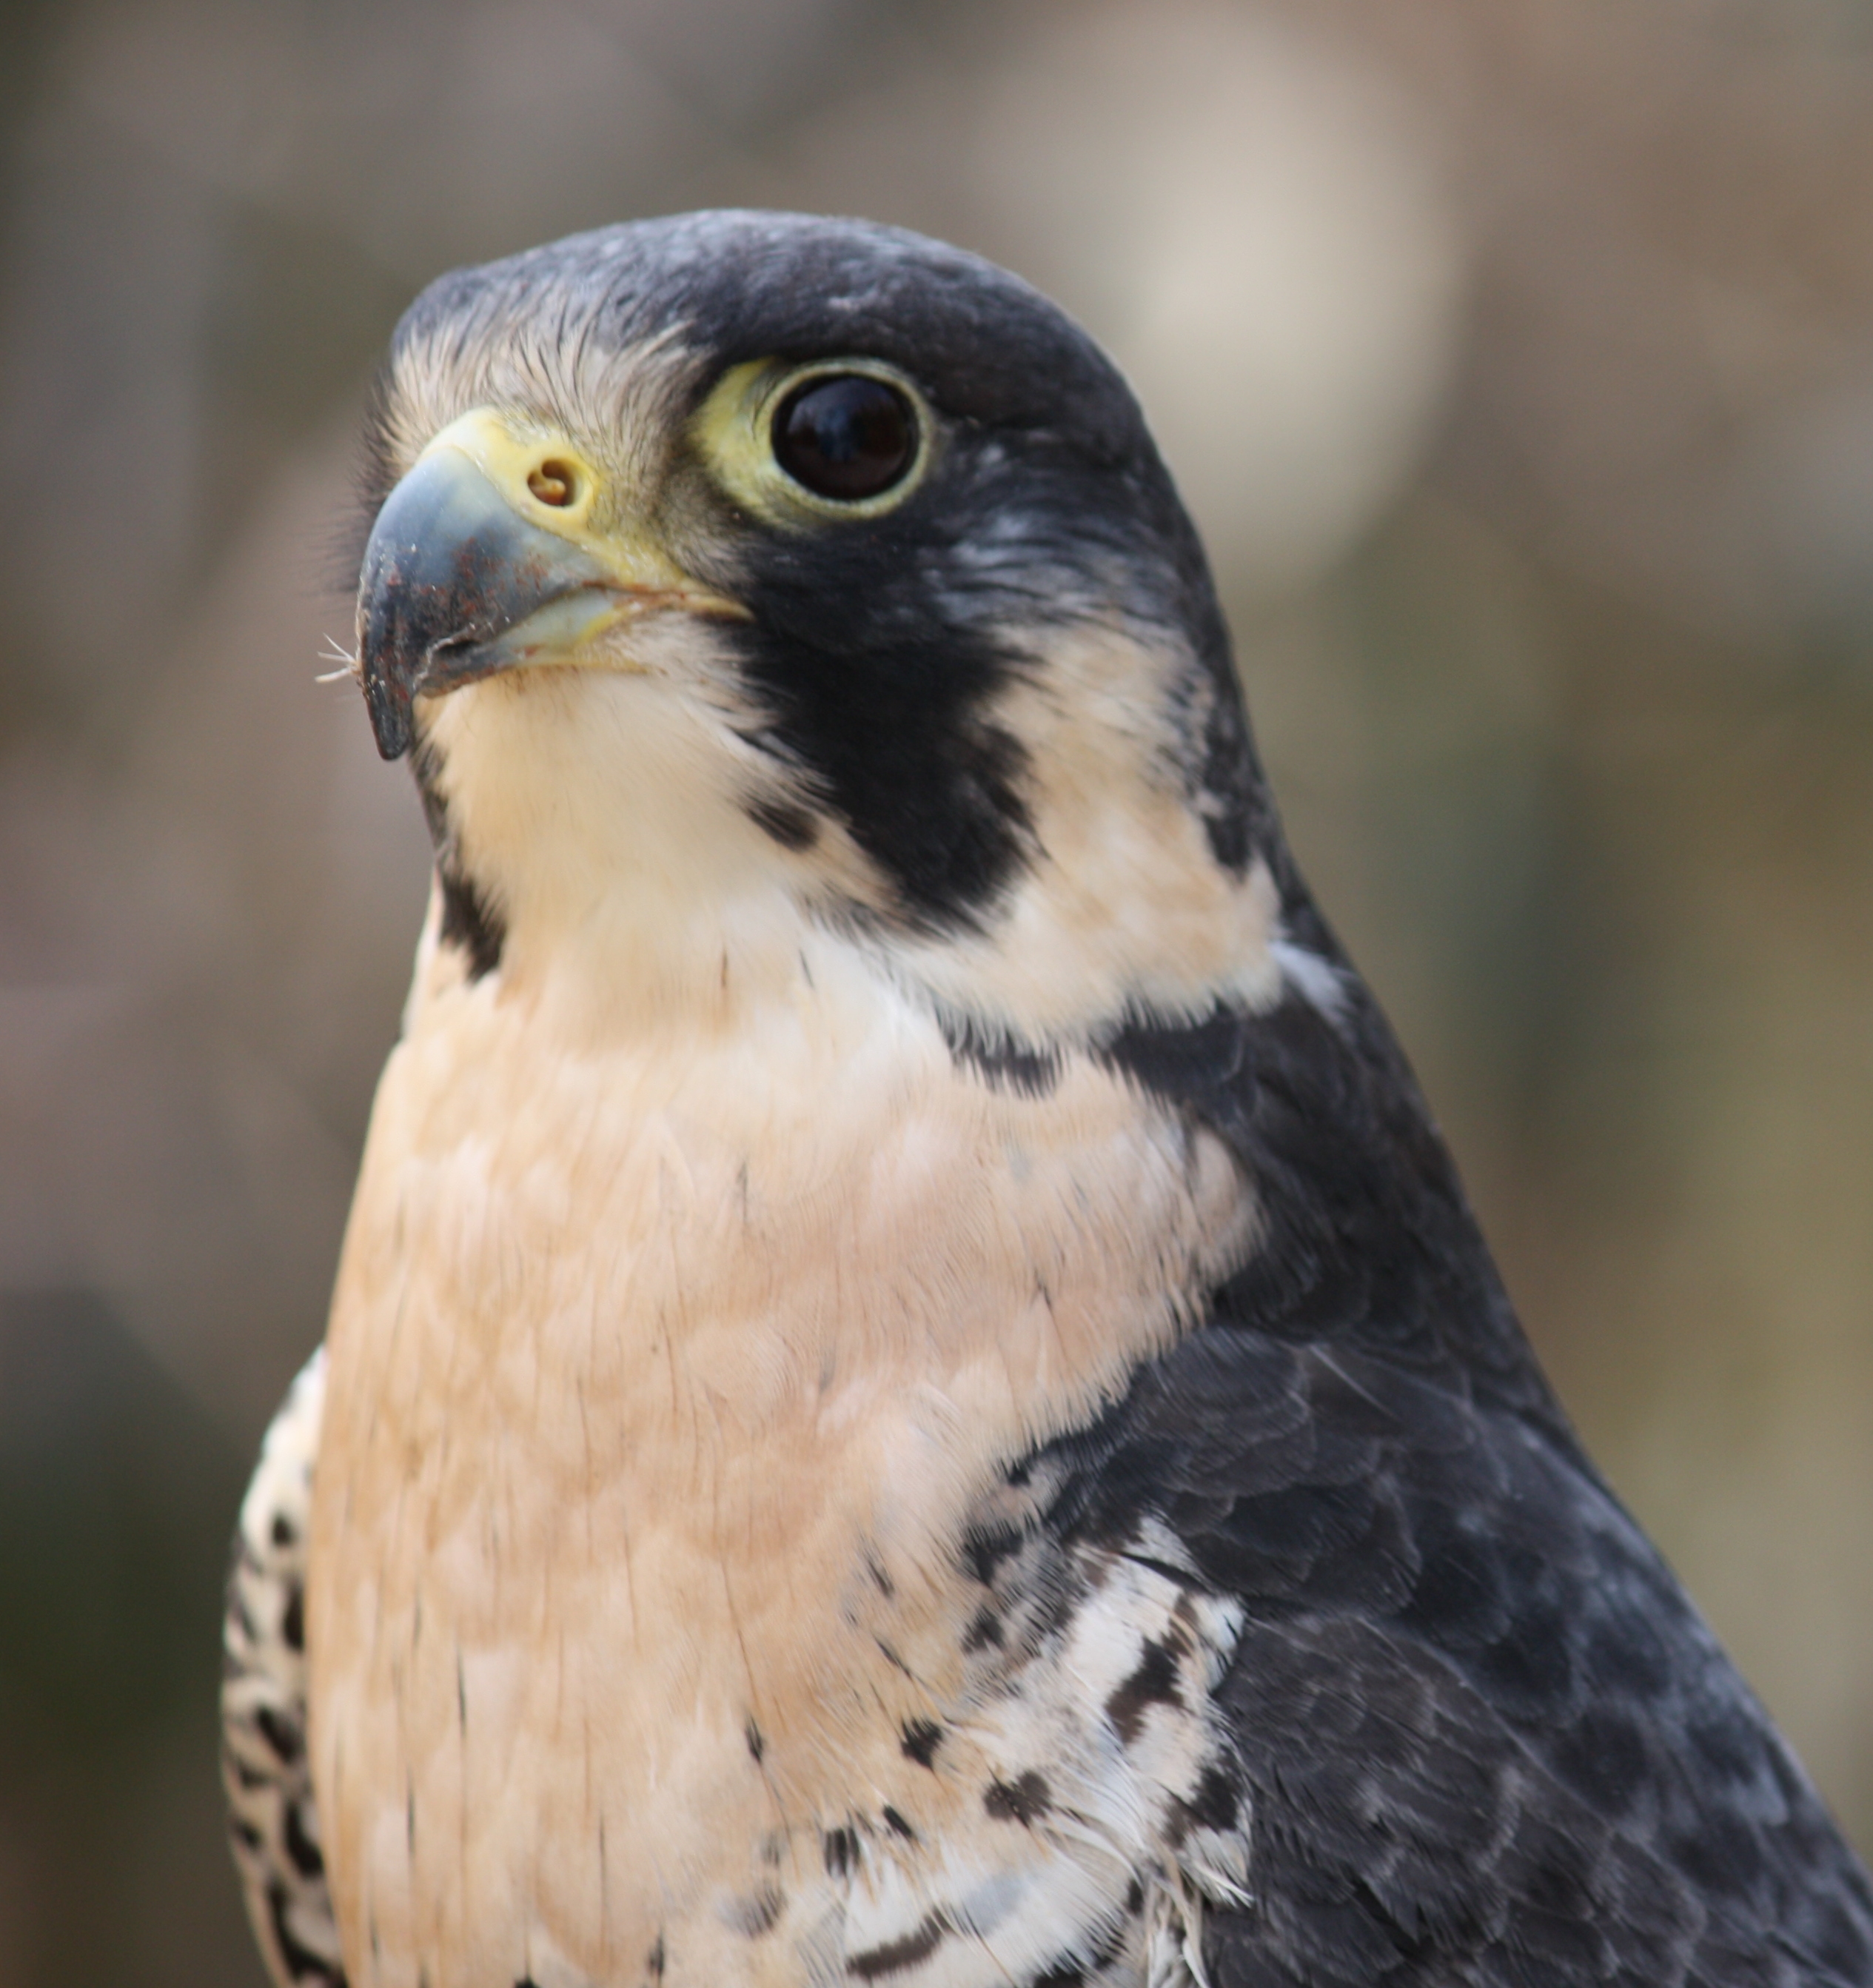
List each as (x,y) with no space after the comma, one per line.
(846,436)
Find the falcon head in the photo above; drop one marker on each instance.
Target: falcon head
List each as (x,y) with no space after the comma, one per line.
(740,576)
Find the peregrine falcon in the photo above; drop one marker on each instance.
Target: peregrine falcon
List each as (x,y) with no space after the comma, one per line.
(912,1396)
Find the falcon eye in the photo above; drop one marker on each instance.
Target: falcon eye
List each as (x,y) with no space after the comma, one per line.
(827,441)
(846,436)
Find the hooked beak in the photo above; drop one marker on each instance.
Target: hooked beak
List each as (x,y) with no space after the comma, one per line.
(483,559)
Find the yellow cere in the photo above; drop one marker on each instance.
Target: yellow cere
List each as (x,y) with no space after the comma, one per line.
(551,483)
(513,456)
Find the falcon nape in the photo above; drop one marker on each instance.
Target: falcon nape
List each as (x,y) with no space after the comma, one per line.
(912,1397)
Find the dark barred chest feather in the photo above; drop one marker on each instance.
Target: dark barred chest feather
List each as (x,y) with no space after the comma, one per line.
(1077,1806)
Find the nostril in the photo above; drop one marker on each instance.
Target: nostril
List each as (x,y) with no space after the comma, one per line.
(555,483)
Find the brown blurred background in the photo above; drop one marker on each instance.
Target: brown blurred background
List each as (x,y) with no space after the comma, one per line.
(1516,357)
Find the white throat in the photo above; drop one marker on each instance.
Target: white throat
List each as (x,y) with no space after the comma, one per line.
(603,816)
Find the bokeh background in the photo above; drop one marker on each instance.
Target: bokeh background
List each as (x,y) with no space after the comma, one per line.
(1516,357)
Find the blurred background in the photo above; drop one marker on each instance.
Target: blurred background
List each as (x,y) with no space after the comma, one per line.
(1516,357)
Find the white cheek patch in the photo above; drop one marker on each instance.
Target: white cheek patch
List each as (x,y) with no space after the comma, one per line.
(1123,908)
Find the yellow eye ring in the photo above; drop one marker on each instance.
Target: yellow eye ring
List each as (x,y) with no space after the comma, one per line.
(835,438)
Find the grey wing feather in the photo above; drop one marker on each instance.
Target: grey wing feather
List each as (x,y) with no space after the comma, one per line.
(1480,1737)
(1476,1733)
(271,1819)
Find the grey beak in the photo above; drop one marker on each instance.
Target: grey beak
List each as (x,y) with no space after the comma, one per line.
(451,573)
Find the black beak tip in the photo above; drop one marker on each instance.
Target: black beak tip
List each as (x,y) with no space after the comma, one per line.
(388,704)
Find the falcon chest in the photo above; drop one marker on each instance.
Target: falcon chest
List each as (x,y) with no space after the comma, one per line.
(669,1370)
